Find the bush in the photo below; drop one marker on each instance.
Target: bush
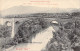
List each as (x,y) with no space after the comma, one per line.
(78,24)
(6,42)
(5,31)
(66,38)
(68,25)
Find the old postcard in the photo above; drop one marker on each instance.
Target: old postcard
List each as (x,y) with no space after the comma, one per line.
(39,25)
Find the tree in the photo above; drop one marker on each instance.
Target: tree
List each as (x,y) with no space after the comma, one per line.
(29,28)
(67,37)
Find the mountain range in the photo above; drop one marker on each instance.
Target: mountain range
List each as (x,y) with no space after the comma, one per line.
(33,9)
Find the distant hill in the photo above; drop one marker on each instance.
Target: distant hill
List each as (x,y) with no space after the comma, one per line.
(23,10)
(32,9)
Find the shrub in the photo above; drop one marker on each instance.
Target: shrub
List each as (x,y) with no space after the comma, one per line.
(5,31)
(68,25)
(66,38)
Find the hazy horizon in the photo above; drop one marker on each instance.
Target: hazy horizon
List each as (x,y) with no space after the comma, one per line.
(34,9)
(10,7)
(5,4)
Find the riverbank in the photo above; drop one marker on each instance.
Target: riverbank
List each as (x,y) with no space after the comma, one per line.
(41,39)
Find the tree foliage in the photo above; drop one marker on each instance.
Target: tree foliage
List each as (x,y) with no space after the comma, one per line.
(5,31)
(66,38)
(29,28)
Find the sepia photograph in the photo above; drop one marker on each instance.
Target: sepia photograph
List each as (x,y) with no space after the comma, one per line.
(39,25)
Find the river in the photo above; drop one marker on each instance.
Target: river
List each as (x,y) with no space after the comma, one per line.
(39,42)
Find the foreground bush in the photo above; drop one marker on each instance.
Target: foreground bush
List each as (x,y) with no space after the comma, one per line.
(5,31)
(67,39)
(5,34)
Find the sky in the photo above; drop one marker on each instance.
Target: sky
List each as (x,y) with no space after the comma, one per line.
(5,4)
